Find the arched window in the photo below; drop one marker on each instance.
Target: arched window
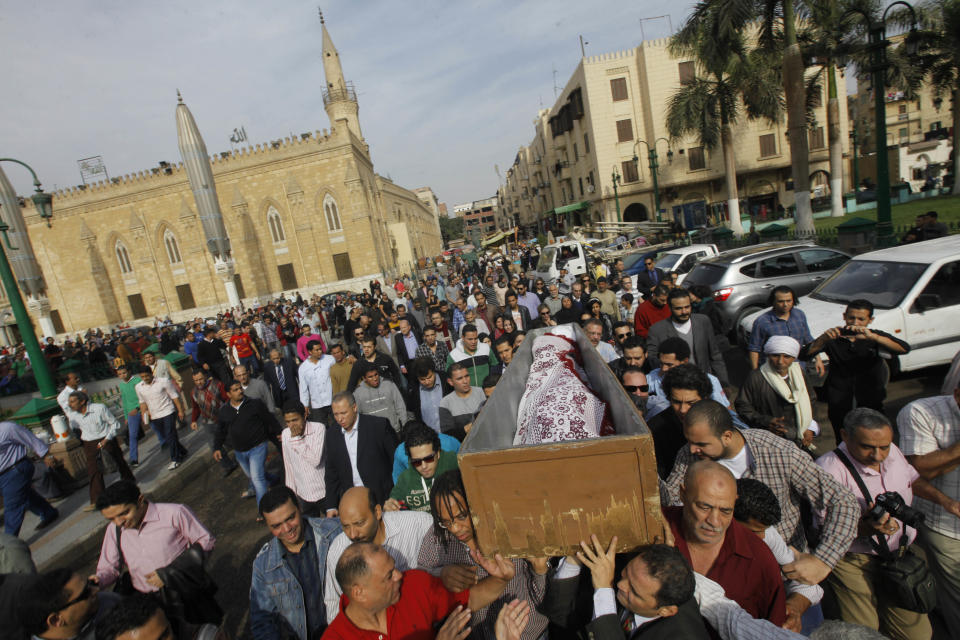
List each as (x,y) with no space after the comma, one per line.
(173,249)
(123,258)
(333,213)
(276,226)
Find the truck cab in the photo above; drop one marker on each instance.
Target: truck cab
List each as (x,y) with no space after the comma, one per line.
(571,255)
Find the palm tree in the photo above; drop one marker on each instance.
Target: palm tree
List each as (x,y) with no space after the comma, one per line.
(710,104)
(822,48)
(939,62)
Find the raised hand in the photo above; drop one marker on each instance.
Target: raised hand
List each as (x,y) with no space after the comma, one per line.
(498,567)
(599,561)
(512,620)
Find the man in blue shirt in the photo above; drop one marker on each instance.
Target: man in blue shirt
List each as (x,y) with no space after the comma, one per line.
(286,589)
(783,319)
(16,475)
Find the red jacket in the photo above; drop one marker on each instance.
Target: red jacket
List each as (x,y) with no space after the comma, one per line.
(647,315)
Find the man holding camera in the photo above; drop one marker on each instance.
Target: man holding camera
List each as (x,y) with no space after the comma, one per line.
(857,589)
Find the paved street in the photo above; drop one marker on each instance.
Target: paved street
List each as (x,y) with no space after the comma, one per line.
(217,501)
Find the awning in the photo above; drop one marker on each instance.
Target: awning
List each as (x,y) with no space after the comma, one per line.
(497,237)
(579,206)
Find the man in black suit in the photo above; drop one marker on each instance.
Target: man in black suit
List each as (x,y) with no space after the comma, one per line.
(650,277)
(281,375)
(652,601)
(210,355)
(693,328)
(359,452)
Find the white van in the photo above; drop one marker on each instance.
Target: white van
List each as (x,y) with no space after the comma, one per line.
(570,255)
(915,290)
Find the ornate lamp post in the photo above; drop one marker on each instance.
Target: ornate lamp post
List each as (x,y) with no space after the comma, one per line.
(877,46)
(654,165)
(616,196)
(36,410)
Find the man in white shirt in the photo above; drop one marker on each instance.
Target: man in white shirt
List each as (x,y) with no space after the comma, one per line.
(363,520)
(70,384)
(161,406)
(98,431)
(594,330)
(316,389)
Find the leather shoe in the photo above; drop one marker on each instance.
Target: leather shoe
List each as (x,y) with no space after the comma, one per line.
(48,521)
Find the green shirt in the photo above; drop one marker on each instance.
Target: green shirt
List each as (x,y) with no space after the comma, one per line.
(128,395)
(414,490)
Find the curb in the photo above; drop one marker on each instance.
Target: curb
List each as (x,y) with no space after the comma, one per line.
(165,489)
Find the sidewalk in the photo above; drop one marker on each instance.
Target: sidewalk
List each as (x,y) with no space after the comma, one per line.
(78,533)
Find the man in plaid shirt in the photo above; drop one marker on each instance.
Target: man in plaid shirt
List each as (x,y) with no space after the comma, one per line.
(788,471)
(208,396)
(434,349)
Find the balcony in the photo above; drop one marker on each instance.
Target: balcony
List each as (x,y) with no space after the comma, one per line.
(349,94)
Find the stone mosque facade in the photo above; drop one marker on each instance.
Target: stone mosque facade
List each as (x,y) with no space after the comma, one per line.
(307,214)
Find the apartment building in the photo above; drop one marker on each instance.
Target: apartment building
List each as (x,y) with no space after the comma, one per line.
(601,129)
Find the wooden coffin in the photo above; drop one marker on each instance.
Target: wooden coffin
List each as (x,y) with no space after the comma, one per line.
(542,500)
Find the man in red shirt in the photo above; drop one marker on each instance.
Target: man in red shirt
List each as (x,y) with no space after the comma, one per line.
(653,310)
(247,353)
(380,601)
(722,549)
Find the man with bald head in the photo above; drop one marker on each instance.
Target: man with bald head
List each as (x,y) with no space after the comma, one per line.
(721,548)
(380,599)
(363,520)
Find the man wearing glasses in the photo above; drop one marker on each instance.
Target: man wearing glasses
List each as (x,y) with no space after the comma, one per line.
(650,277)
(427,461)
(62,604)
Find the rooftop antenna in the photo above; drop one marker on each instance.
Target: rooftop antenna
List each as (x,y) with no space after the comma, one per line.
(669,24)
(583,52)
(556,89)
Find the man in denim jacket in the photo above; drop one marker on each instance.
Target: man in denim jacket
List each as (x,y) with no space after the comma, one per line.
(286,590)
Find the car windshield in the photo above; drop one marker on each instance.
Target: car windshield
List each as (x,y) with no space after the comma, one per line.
(885,284)
(632,259)
(706,274)
(669,261)
(546,258)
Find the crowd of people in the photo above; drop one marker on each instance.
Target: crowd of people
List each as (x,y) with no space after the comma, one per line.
(367,398)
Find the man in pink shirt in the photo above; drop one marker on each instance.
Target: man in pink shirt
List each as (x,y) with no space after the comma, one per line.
(855,590)
(308,335)
(151,537)
(304,459)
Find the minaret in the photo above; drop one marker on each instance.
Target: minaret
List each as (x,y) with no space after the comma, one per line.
(23,260)
(339,96)
(197,163)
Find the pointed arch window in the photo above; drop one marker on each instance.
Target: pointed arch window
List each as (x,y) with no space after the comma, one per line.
(123,258)
(276,226)
(172,247)
(332,213)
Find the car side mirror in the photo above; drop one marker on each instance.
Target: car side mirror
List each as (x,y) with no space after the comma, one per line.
(926,301)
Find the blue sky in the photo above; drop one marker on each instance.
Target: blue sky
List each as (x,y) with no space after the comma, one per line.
(446,89)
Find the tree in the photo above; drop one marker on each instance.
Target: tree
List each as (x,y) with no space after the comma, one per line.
(451,228)
(710,104)
(939,62)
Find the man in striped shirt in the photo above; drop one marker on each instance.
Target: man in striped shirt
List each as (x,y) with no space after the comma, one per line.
(304,459)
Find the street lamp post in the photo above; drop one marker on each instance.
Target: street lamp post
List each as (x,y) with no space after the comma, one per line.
(616,196)
(877,46)
(44,204)
(654,165)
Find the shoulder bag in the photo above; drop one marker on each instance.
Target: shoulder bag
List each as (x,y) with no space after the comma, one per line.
(906,578)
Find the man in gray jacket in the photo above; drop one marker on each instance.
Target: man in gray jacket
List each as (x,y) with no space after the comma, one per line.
(693,328)
(378,397)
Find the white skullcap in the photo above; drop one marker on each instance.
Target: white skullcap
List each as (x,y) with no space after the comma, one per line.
(782,345)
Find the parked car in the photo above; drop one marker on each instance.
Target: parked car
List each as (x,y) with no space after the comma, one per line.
(742,279)
(915,290)
(683,259)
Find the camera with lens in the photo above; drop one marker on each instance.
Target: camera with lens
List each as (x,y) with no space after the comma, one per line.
(892,502)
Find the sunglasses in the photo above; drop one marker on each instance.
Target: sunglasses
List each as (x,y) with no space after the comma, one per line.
(633,388)
(88,590)
(621,336)
(416,462)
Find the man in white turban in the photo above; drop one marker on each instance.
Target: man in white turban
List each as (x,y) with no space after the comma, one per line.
(776,396)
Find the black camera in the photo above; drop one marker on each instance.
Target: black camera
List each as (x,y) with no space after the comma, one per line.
(892,502)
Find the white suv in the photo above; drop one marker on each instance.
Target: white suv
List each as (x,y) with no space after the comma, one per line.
(915,290)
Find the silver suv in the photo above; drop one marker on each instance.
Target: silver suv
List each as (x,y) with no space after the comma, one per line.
(742,279)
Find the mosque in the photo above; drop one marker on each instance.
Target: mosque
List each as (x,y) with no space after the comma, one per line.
(306,213)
